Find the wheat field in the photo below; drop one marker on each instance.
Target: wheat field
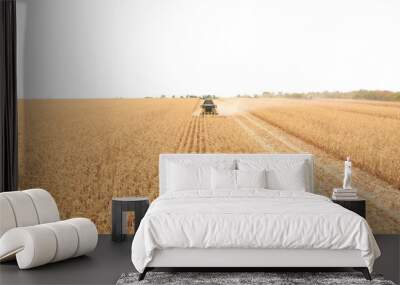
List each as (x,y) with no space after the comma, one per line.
(368,131)
(87,151)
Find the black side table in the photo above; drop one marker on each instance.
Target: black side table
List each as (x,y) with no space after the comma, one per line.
(119,205)
(357,206)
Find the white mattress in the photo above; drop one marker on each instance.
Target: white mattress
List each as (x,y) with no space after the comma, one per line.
(252,219)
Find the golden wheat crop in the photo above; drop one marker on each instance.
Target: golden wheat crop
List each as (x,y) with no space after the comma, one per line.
(213,134)
(87,151)
(368,132)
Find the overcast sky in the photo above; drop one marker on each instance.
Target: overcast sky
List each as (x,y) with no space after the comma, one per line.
(222,47)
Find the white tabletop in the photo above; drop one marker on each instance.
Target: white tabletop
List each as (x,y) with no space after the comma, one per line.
(130,199)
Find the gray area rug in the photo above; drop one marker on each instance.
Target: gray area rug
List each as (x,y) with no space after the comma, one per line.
(269,278)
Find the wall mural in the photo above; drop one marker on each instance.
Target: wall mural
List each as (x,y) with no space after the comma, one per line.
(93,118)
(87,151)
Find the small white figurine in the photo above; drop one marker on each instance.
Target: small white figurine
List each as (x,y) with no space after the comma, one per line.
(347,174)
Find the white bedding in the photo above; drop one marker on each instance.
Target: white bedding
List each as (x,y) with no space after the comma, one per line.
(250,219)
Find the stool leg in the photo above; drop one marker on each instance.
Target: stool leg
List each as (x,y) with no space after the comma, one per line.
(116,221)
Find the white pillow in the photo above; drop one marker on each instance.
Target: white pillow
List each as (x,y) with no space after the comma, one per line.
(251,178)
(223,179)
(185,177)
(282,174)
(218,163)
(290,177)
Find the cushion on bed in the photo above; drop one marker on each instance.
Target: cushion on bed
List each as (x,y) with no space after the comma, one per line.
(289,177)
(218,163)
(251,178)
(223,179)
(188,177)
(282,174)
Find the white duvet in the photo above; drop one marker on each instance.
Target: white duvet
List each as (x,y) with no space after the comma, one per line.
(250,219)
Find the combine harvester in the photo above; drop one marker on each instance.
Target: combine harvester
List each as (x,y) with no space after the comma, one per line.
(208,108)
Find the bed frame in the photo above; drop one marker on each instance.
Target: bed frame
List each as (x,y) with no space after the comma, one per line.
(246,258)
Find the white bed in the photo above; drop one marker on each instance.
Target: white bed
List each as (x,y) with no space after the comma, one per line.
(248,227)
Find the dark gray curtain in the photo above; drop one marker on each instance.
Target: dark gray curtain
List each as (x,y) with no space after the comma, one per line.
(8,99)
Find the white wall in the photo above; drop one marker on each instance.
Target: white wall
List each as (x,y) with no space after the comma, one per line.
(134,48)
(68,48)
